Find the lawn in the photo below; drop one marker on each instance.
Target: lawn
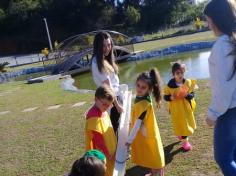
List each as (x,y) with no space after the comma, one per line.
(46,142)
(17,68)
(163,43)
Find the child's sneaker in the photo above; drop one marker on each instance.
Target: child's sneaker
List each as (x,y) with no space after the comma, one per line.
(161,172)
(186,146)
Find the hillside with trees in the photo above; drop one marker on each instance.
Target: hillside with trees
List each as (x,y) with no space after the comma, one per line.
(22,29)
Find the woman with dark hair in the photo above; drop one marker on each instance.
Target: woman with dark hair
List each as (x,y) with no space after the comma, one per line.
(105,71)
(221,17)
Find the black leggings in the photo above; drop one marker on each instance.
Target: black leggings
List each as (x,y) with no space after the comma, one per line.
(115,116)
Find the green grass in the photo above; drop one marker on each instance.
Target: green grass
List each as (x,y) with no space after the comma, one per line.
(41,142)
(46,142)
(11,69)
(163,43)
(169,31)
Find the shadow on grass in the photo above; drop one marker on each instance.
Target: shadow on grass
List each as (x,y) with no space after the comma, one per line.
(169,154)
(137,171)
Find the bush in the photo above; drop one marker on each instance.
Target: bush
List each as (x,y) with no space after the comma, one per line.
(2,66)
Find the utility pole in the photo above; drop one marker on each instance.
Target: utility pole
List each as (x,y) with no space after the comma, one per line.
(49,39)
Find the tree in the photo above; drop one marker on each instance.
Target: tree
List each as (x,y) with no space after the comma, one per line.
(2,15)
(199,8)
(132,15)
(181,12)
(156,13)
(106,18)
(23,9)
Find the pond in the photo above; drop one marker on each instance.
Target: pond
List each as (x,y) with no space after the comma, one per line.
(196,63)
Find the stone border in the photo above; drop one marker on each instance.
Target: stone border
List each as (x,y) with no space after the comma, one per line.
(172,50)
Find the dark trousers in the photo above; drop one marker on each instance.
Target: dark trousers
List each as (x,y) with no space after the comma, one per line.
(115,116)
(225,142)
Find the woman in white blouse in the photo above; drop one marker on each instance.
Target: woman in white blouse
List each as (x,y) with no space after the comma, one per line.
(105,71)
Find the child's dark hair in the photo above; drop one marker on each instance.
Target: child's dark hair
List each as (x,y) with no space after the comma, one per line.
(223,15)
(177,66)
(105,92)
(153,80)
(88,166)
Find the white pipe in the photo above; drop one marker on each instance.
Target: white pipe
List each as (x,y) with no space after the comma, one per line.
(123,132)
(49,38)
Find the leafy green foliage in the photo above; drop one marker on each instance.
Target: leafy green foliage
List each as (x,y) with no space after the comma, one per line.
(3,65)
(23,29)
(133,16)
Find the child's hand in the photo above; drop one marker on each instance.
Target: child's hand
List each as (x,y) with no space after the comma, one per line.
(210,122)
(127,145)
(172,97)
(119,108)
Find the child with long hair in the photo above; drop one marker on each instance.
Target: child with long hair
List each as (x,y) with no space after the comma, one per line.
(144,138)
(99,132)
(180,97)
(221,17)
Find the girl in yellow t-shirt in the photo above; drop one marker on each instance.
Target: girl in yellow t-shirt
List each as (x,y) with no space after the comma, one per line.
(180,97)
(144,138)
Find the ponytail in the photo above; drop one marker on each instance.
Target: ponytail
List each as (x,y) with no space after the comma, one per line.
(156,85)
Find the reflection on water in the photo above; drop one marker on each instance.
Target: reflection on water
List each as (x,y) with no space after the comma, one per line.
(196,63)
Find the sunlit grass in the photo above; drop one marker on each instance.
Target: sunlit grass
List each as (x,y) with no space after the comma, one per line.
(46,142)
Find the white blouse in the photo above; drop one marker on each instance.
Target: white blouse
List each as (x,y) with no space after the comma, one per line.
(100,77)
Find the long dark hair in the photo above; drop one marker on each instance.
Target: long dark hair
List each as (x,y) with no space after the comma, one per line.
(88,166)
(153,79)
(223,15)
(98,51)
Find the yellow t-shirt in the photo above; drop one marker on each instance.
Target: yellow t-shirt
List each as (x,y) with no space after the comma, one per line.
(181,110)
(147,149)
(100,122)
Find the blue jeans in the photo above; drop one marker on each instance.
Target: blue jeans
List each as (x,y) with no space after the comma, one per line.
(225,142)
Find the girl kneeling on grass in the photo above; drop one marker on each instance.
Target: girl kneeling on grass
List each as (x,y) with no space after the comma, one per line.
(144,138)
(180,96)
